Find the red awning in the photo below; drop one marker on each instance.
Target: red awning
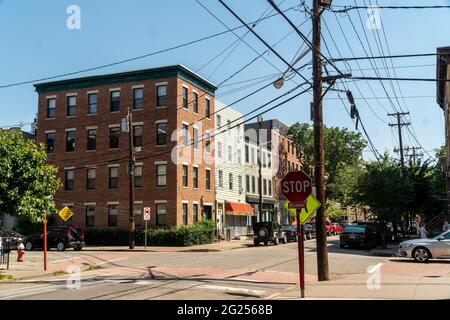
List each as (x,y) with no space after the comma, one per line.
(239,209)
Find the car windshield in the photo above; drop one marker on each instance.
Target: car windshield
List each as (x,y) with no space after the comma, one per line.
(288,227)
(355,229)
(445,235)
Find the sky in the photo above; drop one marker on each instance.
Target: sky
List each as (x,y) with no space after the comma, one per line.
(36,43)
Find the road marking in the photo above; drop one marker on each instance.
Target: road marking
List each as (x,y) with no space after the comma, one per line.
(375,268)
(68,259)
(222,288)
(109,261)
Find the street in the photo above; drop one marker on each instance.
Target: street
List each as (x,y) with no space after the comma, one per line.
(246,273)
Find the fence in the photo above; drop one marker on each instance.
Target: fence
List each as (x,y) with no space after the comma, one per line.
(4,251)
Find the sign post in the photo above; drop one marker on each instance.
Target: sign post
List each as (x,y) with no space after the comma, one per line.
(301,254)
(147,212)
(296,186)
(45,240)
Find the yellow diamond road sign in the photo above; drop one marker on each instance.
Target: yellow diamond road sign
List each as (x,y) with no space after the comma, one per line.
(312,204)
(65,213)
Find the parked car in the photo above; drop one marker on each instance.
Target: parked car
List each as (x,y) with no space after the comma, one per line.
(337,228)
(11,239)
(422,250)
(266,232)
(358,236)
(309,230)
(291,232)
(330,229)
(60,238)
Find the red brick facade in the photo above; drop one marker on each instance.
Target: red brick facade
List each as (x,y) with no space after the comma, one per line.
(103,157)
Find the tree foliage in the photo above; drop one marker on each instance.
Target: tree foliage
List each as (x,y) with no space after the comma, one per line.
(385,189)
(26,179)
(343,148)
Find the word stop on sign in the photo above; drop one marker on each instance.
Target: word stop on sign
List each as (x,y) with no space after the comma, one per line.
(296,186)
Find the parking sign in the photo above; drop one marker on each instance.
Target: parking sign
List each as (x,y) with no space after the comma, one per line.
(147,211)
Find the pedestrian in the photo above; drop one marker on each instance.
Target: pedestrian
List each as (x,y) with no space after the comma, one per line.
(423,232)
(446,226)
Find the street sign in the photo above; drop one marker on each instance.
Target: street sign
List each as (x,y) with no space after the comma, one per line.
(147,211)
(312,204)
(65,213)
(296,186)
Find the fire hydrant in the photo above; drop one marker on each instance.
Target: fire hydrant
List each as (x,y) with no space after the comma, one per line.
(20,252)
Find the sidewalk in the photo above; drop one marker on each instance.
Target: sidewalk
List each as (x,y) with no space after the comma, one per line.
(215,246)
(407,281)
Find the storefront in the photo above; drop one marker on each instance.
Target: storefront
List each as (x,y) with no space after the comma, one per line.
(268,208)
(238,218)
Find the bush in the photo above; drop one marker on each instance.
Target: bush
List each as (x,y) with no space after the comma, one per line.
(201,232)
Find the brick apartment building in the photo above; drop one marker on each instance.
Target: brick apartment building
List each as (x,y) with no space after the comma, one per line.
(79,120)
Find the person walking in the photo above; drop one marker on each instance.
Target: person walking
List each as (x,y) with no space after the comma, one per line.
(423,232)
(446,226)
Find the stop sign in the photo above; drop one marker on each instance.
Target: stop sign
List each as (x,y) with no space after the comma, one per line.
(296,186)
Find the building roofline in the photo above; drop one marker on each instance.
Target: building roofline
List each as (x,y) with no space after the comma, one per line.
(128,76)
(443,60)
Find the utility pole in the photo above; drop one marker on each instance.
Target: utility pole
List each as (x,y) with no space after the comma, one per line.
(414,155)
(319,170)
(131,161)
(400,124)
(260,179)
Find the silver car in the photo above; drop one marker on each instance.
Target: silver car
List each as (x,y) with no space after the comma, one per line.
(424,249)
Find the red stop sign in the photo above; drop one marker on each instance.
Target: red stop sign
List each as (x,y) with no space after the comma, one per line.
(296,186)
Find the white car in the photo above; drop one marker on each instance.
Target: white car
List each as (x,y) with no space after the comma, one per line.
(423,250)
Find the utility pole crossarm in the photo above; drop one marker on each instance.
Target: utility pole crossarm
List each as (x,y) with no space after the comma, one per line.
(399,126)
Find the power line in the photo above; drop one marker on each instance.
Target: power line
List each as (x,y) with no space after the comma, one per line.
(260,39)
(346,9)
(398,56)
(136,57)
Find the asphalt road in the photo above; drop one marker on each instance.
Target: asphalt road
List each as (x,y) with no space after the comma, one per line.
(247,273)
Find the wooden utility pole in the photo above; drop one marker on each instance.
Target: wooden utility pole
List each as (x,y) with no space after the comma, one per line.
(414,155)
(132,227)
(400,124)
(319,170)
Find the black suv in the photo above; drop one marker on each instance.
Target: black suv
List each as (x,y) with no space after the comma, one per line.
(57,237)
(266,232)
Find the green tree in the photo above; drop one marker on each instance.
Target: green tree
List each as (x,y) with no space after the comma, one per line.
(26,179)
(345,183)
(386,190)
(334,210)
(342,148)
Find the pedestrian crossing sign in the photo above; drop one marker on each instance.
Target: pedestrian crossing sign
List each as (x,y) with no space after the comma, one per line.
(65,213)
(312,204)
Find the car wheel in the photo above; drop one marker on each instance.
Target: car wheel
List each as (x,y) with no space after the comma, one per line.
(421,254)
(60,246)
(276,240)
(255,243)
(266,243)
(341,245)
(28,246)
(284,240)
